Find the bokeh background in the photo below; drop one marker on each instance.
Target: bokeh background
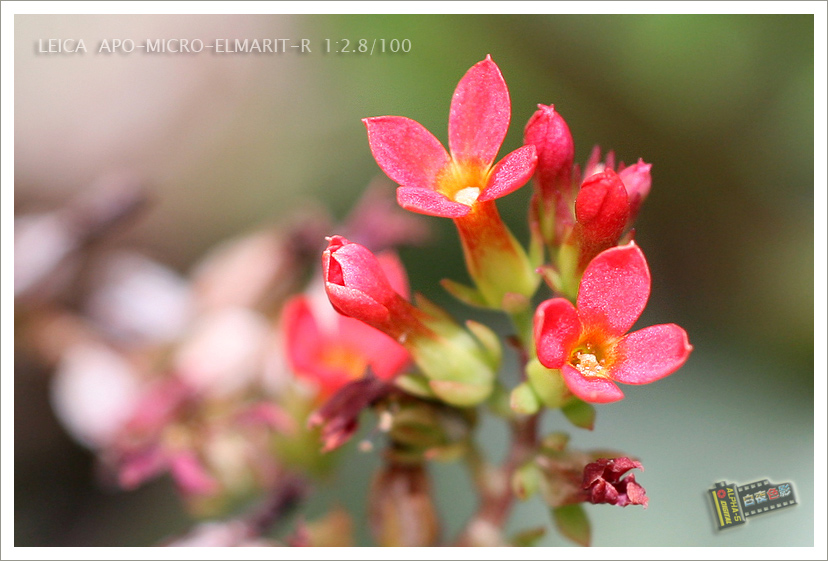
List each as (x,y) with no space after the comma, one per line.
(723,106)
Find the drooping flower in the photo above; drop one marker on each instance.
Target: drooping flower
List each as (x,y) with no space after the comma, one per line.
(589,343)
(330,349)
(463,183)
(459,367)
(604,484)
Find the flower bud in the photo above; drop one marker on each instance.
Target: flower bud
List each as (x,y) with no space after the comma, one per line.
(602,210)
(637,181)
(358,287)
(401,511)
(460,366)
(549,133)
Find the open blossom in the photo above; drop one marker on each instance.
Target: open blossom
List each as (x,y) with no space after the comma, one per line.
(604,483)
(330,349)
(463,183)
(433,181)
(589,343)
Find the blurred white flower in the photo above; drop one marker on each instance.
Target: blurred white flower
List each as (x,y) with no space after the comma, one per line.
(94,391)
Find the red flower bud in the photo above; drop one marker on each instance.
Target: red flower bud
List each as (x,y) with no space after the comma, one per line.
(602,210)
(358,287)
(550,135)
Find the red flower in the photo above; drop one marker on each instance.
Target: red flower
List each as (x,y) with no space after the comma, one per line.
(331,349)
(463,183)
(588,343)
(437,183)
(604,484)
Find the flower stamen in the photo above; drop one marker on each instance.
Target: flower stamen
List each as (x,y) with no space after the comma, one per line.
(589,365)
(467,196)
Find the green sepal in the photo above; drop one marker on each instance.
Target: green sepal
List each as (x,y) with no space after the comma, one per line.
(526,480)
(551,277)
(573,523)
(499,402)
(580,413)
(415,384)
(554,443)
(524,400)
(459,393)
(488,340)
(569,278)
(465,294)
(548,384)
(536,247)
(514,303)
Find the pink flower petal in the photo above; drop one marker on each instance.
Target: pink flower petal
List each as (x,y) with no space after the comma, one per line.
(614,290)
(479,116)
(385,355)
(650,353)
(510,173)
(637,180)
(557,328)
(395,273)
(602,207)
(356,304)
(301,333)
(593,389)
(406,151)
(137,467)
(430,202)
(191,476)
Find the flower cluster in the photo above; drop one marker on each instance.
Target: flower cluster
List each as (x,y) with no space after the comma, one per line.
(576,344)
(247,380)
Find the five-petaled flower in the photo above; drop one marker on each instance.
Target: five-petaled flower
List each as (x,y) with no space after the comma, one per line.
(603,482)
(588,343)
(464,182)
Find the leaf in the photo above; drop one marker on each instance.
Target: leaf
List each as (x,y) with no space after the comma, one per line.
(580,413)
(528,538)
(573,523)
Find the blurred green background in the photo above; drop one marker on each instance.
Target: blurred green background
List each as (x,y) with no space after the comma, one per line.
(723,106)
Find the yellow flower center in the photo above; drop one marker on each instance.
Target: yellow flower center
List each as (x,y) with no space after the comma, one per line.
(463,183)
(593,358)
(344,358)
